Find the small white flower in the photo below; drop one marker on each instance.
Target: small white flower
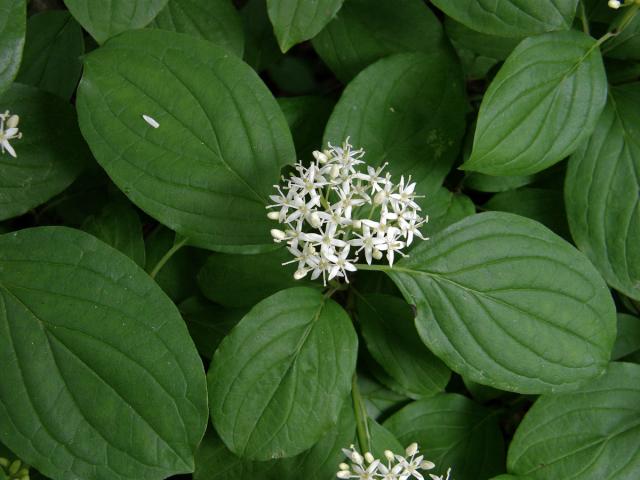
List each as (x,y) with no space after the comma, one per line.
(9,131)
(441,477)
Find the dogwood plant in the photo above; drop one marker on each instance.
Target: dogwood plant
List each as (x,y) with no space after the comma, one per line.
(334,209)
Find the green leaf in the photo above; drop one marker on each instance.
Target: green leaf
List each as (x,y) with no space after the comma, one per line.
(601,192)
(543,205)
(98,366)
(489,183)
(407,109)
(452,431)
(207,170)
(543,103)
(215,20)
(214,461)
(13,14)
(511,18)
(277,382)
(625,45)
(50,154)
(178,276)
(628,340)
(381,440)
(208,324)
(261,47)
(377,398)
(365,31)
(243,280)
(444,208)
(118,225)
(321,461)
(104,19)
(592,433)
(391,337)
(507,303)
(487,45)
(306,117)
(295,21)
(51,58)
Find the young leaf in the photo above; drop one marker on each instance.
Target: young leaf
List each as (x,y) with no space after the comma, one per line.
(295,21)
(382,439)
(511,18)
(601,192)
(215,20)
(543,103)
(365,31)
(407,109)
(50,154)
(243,280)
(118,225)
(452,431)
(507,303)
(98,366)
(104,19)
(51,58)
(391,337)
(207,170)
(277,382)
(13,18)
(588,434)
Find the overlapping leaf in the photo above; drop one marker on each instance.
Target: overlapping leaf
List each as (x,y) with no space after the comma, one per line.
(98,366)
(13,15)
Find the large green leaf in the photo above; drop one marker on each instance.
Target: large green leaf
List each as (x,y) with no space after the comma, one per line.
(391,337)
(507,303)
(100,377)
(628,340)
(277,382)
(407,109)
(589,434)
(452,431)
(50,154)
(118,225)
(365,31)
(207,170)
(215,20)
(51,59)
(104,19)
(543,103)
(601,192)
(511,18)
(489,46)
(625,45)
(243,280)
(295,21)
(13,15)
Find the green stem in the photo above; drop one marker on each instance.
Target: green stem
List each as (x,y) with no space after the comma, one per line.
(362,423)
(167,256)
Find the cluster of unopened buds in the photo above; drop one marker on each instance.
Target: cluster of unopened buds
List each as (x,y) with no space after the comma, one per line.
(9,131)
(333,210)
(394,467)
(13,470)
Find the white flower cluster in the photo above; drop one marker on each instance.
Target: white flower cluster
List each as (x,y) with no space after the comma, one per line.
(11,133)
(396,467)
(331,208)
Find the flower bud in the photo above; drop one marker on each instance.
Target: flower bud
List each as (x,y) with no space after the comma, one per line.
(4,462)
(321,157)
(343,474)
(343,466)
(13,121)
(300,274)
(314,220)
(278,235)
(357,224)
(389,455)
(615,4)
(14,467)
(369,457)
(335,171)
(356,458)
(377,254)
(412,449)
(427,465)
(379,198)
(273,215)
